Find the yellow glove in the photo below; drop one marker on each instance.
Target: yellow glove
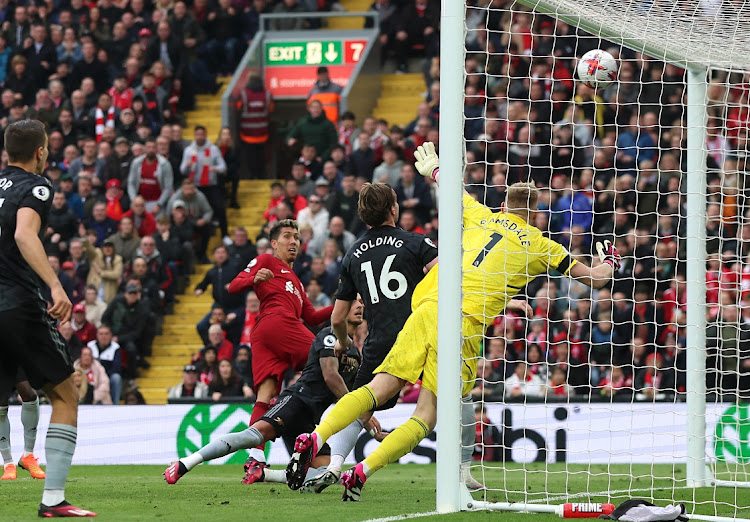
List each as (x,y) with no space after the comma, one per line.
(428,163)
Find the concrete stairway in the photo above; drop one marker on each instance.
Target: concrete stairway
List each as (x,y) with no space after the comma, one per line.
(179,340)
(355,22)
(399,98)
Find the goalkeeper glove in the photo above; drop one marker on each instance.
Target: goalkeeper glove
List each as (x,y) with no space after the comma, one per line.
(608,254)
(428,163)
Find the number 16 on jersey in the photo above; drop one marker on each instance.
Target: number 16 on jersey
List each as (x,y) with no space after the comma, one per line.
(386,276)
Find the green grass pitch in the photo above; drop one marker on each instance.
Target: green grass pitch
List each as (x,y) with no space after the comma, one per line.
(214,493)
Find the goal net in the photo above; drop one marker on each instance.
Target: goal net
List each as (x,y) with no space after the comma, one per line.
(638,389)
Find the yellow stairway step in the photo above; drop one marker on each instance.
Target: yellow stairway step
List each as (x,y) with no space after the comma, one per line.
(168,361)
(154,395)
(162,371)
(160,382)
(176,344)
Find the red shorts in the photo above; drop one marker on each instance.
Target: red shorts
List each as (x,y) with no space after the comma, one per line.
(276,344)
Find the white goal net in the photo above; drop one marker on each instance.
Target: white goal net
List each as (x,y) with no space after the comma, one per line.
(639,389)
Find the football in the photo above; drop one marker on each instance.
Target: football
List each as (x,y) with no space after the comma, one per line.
(597,69)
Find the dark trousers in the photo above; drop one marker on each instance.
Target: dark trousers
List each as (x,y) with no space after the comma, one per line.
(254,160)
(215,198)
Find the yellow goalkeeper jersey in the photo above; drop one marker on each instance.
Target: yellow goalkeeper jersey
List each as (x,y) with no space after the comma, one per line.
(501,254)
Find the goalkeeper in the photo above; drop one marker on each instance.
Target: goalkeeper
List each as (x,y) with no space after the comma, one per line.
(502,253)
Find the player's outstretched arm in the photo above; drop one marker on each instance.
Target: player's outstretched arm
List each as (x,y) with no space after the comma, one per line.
(598,276)
(28,224)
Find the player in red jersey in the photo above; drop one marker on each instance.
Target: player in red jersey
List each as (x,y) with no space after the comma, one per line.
(280,338)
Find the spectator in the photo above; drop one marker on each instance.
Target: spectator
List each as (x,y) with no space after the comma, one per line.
(327,93)
(62,223)
(252,308)
(117,201)
(225,142)
(225,44)
(315,215)
(102,225)
(416,24)
(728,343)
(143,221)
(84,206)
(207,365)
(106,269)
(77,284)
(315,293)
(389,171)
(158,270)
(414,194)
(219,276)
(176,252)
(20,81)
(558,386)
(242,364)
(309,158)
(343,203)
(522,384)
(292,23)
(196,211)
(224,347)
(107,352)
(242,250)
(134,397)
(118,164)
(488,383)
(95,307)
(90,67)
(126,240)
(85,392)
(292,198)
(88,163)
(151,177)
(226,383)
(84,330)
(363,158)
(253,107)
(127,316)
(190,385)
(96,376)
(202,162)
(103,115)
(314,129)
(336,231)
(617,382)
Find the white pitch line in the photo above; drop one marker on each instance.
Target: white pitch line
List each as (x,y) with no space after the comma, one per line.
(403,517)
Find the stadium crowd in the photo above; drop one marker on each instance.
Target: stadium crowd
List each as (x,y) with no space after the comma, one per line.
(135,202)
(609,165)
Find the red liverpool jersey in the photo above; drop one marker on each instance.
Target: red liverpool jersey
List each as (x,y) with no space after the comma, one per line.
(282,295)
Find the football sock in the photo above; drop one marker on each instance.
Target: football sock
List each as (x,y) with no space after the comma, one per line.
(343,442)
(59,446)
(225,445)
(274,475)
(5,436)
(30,420)
(397,444)
(259,409)
(345,411)
(314,472)
(468,432)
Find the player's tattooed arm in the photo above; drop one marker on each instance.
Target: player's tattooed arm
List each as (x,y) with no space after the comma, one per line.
(334,381)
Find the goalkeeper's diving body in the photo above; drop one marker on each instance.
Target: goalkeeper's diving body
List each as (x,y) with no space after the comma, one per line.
(502,253)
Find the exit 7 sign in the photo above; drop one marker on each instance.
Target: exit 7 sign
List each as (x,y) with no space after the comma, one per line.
(325,52)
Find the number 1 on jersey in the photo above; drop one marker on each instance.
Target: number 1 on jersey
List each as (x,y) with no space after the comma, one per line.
(386,276)
(494,240)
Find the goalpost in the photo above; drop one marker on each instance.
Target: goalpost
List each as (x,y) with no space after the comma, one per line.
(664,436)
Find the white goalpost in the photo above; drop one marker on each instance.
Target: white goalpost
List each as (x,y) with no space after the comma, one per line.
(655,369)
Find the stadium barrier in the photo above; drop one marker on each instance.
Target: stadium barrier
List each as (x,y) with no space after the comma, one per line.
(568,432)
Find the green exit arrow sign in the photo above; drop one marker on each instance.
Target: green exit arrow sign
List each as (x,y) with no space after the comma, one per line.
(304,53)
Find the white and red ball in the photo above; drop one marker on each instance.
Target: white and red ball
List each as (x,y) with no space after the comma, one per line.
(597,69)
